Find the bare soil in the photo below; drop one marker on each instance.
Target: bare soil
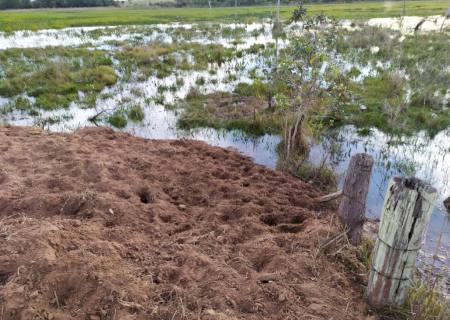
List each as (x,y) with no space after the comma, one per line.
(102,225)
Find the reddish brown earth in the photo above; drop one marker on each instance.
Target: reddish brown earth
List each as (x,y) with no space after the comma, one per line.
(102,225)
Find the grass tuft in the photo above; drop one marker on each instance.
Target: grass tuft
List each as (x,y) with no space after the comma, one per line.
(136,113)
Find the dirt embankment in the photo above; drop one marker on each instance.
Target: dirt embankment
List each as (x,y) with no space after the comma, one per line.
(102,225)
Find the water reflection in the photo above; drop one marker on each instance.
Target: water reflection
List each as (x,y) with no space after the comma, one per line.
(421,156)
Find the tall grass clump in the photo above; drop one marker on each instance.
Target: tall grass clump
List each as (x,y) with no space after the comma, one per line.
(427,302)
(136,113)
(118,119)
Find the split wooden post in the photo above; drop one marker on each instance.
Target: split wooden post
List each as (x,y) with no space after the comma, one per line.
(405,216)
(352,208)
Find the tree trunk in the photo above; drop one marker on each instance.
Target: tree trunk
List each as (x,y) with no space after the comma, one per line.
(406,213)
(356,187)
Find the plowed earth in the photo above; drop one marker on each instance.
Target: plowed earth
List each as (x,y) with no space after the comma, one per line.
(102,225)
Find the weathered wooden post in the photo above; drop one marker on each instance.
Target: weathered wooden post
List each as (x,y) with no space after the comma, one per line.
(447,204)
(352,208)
(406,213)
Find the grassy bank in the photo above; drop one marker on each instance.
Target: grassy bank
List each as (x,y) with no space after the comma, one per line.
(62,18)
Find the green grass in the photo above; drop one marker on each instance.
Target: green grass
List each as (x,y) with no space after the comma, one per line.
(118,119)
(423,57)
(136,113)
(147,58)
(54,76)
(62,18)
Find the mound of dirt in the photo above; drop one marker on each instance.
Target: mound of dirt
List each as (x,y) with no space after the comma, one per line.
(102,225)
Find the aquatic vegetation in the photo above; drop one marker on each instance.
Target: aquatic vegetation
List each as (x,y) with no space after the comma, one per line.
(211,53)
(159,99)
(200,81)
(386,107)
(47,121)
(54,76)
(222,110)
(180,82)
(145,58)
(162,59)
(257,88)
(23,104)
(407,92)
(52,101)
(366,38)
(136,114)
(6,108)
(118,119)
(89,100)
(368,77)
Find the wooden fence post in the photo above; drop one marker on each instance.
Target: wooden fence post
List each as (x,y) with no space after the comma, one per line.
(352,208)
(406,212)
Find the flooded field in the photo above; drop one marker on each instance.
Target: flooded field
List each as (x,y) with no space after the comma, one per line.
(137,79)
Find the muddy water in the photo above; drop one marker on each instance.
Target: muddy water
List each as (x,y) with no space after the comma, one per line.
(426,158)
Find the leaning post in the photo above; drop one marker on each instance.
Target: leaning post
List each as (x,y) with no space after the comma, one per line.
(406,212)
(352,208)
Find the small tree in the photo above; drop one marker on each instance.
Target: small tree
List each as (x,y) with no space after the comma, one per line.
(306,83)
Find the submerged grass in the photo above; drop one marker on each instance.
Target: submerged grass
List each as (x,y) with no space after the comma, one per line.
(53,76)
(136,113)
(163,60)
(404,94)
(118,119)
(407,93)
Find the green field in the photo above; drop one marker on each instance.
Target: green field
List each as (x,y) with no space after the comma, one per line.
(12,20)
